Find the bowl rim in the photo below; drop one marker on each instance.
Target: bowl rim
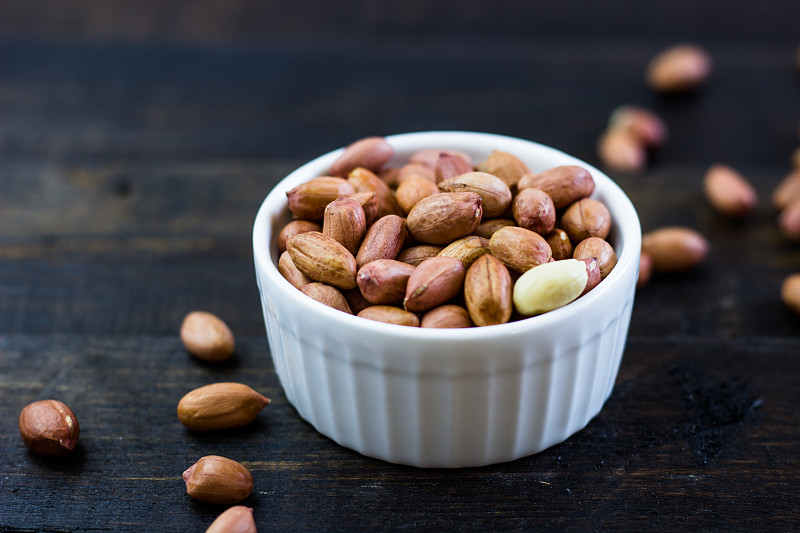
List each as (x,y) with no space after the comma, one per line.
(274,206)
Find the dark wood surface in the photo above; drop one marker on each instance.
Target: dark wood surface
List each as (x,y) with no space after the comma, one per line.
(137,140)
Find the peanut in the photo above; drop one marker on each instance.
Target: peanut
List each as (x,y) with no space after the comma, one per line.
(413,189)
(564,185)
(383,240)
(674,248)
(384,281)
(446,316)
(790,293)
(433,282)
(789,221)
(369,203)
(645,270)
(466,249)
(621,150)
(593,273)
(308,200)
(430,156)
(560,245)
(215,479)
(586,218)
(327,295)
(293,228)
(549,286)
(787,190)
(505,166)
(534,210)
(680,68)
(519,249)
(417,254)
(450,166)
(729,192)
(220,406)
(49,427)
(344,221)
(371,153)
(487,227)
(207,337)
(290,272)
(237,519)
(642,123)
(390,315)
(323,259)
(487,292)
(363,180)
(600,250)
(495,194)
(445,217)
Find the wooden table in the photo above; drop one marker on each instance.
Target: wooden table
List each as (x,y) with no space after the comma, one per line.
(137,141)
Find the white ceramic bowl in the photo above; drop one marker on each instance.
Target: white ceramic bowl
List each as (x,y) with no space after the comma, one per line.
(449,397)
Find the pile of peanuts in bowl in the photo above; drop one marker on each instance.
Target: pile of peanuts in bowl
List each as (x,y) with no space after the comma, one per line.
(442,241)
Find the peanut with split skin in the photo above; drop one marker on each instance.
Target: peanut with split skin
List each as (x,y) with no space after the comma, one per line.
(49,427)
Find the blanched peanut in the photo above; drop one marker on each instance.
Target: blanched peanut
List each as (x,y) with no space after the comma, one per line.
(550,286)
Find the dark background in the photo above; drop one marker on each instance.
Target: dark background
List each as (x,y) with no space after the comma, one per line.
(138,139)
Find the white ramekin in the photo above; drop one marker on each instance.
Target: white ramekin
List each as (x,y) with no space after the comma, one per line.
(444,397)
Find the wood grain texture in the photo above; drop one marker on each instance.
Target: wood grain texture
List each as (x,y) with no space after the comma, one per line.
(137,141)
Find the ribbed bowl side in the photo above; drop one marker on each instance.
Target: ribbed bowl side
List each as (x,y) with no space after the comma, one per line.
(449,418)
